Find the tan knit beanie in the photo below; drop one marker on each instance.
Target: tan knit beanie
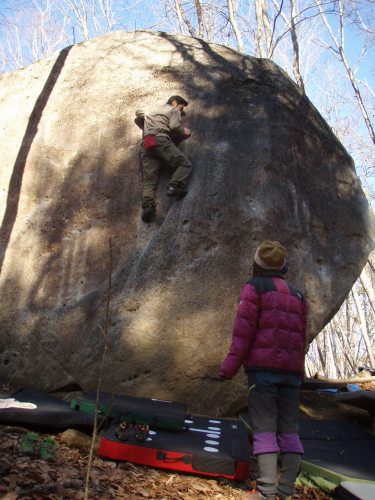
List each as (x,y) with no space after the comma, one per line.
(270,255)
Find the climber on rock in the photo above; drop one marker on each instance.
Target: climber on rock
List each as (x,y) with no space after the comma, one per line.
(162,130)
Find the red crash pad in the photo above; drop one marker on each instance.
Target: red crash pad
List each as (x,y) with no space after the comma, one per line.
(211,447)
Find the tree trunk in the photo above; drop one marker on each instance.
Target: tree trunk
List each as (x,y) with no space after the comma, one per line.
(331,362)
(233,22)
(363,324)
(340,50)
(293,34)
(259,40)
(198,6)
(181,15)
(366,281)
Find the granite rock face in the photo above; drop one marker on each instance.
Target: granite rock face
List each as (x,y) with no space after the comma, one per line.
(266,166)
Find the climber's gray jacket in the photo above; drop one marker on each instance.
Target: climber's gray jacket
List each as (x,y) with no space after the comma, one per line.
(160,121)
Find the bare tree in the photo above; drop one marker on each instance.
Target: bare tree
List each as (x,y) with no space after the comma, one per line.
(77,14)
(339,50)
(264,31)
(30,32)
(293,34)
(198,6)
(291,27)
(182,15)
(363,325)
(351,333)
(367,282)
(108,14)
(233,21)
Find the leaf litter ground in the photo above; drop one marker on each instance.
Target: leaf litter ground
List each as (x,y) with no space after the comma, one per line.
(23,477)
(32,478)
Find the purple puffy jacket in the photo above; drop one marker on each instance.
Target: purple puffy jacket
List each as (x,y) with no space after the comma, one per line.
(269,331)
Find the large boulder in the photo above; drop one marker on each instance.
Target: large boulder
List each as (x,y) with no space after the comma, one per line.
(266,166)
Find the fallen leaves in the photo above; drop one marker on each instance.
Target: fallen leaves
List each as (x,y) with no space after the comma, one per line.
(368,386)
(32,478)
(28,478)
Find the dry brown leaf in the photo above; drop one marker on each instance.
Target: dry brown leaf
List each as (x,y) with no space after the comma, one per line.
(8,443)
(213,485)
(182,486)
(170,479)
(144,492)
(111,480)
(40,474)
(117,475)
(203,488)
(23,465)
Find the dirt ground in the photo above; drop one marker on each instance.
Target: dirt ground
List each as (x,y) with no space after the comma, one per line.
(23,477)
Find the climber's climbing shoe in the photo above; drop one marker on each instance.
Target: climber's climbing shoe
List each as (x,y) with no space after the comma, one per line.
(141,432)
(148,212)
(176,191)
(124,431)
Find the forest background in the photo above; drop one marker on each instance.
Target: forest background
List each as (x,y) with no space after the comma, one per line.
(326,46)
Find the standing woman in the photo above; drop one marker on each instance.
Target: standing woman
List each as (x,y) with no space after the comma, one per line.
(269,340)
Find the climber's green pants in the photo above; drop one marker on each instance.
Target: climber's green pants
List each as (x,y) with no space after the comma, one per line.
(168,154)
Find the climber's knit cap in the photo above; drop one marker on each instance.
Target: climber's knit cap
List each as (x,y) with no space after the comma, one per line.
(270,255)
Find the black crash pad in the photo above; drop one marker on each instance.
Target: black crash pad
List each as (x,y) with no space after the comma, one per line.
(360,399)
(338,446)
(51,413)
(316,385)
(157,413)
(335,449)
(330,430)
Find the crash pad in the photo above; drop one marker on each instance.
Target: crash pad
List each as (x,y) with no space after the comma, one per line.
(316,384)
(206,446)
(360,399)
(339,460)
(355,491)
(336,450)
(51,413)
(331,430)
(157,413)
